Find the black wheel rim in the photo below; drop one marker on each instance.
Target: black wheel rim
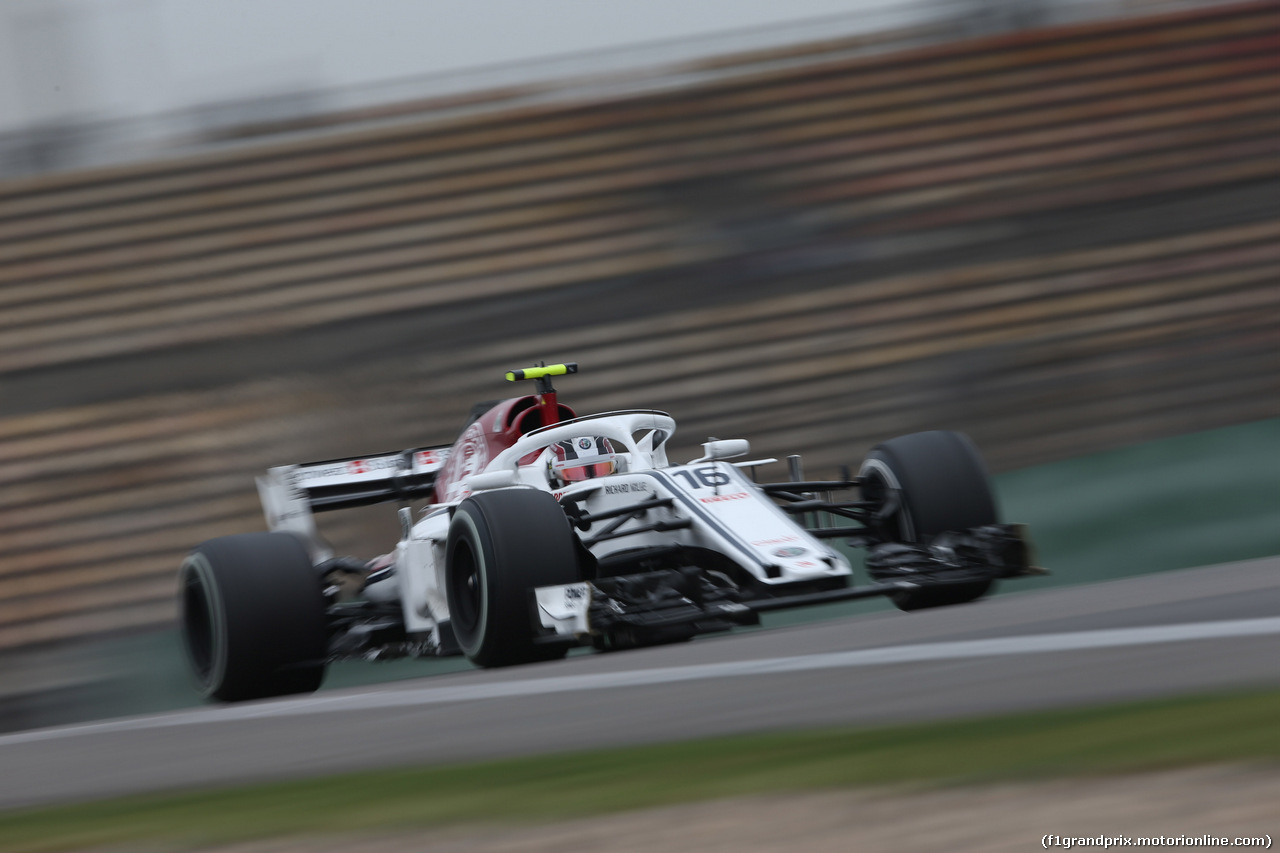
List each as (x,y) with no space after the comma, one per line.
(464,582)
(876,489)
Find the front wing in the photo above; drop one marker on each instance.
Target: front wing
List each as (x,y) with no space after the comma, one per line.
(658,605)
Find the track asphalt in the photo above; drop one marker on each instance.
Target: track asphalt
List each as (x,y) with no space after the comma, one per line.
(1155,635)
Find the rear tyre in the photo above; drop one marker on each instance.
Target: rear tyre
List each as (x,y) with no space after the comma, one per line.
(253,617)
(501,545)
(941,484)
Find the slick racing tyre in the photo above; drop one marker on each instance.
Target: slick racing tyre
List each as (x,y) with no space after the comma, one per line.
(253,617)
(941,484)
(501,545)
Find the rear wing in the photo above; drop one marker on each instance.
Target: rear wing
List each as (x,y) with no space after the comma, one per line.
(291,493)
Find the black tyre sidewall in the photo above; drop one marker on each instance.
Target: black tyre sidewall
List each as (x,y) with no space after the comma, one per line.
(519,539)
(253,621)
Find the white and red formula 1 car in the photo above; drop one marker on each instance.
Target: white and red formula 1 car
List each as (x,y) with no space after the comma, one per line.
(544,530)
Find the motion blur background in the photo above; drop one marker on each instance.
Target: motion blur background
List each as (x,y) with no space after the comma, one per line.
(239,235)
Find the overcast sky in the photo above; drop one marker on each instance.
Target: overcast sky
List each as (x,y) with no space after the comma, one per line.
(131,57)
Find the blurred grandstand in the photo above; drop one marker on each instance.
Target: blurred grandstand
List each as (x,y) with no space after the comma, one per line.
(1058,239)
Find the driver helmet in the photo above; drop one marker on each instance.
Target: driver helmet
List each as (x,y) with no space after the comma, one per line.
(576,459)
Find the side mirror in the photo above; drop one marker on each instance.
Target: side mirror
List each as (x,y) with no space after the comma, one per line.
(729,448)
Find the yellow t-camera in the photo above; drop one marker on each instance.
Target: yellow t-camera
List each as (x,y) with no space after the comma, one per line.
(543,371)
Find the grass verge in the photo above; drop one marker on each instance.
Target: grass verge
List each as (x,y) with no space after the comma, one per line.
(1220,728)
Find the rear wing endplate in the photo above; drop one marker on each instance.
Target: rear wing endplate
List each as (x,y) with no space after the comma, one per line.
(291,493)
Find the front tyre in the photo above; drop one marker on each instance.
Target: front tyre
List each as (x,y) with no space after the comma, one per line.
(931,482)
(501,545)
(253,617)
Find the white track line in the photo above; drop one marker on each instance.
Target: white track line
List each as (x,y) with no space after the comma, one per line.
(953,650)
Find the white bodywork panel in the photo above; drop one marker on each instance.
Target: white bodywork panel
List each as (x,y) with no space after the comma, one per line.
(564,608)
(730,515)
(420,562)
